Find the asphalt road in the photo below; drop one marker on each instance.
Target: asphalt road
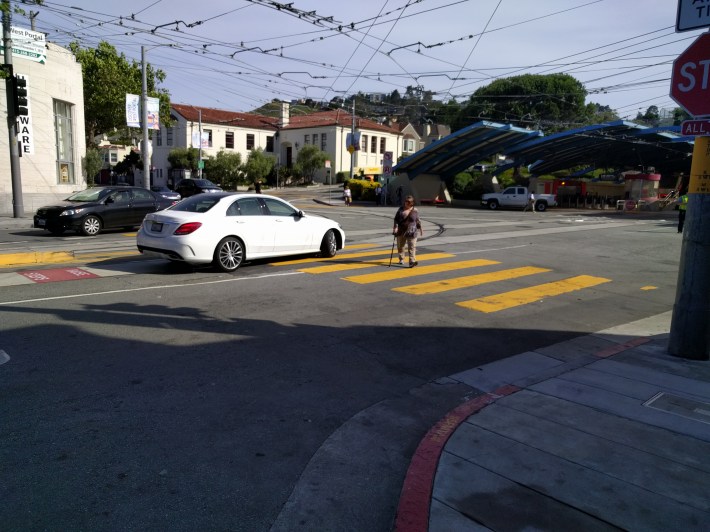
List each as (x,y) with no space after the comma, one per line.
(283,397)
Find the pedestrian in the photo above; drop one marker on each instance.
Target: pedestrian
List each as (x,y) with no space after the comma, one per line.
(384,194)
(347,195)
(530,203)
(406,226)
(378,195)
(682,207)
(400,191)
(257,186)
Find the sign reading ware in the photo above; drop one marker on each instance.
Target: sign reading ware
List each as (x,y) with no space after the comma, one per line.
(692,14)
(690,81)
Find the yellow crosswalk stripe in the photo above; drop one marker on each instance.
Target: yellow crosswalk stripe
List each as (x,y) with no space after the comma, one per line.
(524,296)
(402,273)
(445,285)
(358,265)
(342,256)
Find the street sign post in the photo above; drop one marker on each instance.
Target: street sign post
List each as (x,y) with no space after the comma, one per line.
(690,80)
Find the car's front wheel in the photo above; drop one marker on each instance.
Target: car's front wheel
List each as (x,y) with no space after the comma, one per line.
(229,254)
(541,206)
(493,205)
(329,245)
(91,225)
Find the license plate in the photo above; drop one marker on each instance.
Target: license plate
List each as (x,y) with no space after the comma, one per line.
(41,222)
(157,227)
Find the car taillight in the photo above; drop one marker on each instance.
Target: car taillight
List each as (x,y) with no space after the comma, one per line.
(186,229)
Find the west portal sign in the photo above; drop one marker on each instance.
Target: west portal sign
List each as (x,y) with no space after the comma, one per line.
(690,82)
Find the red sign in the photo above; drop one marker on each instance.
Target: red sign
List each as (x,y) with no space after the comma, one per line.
(695,128)
(690,82)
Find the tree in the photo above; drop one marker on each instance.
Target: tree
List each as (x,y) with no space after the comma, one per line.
(679,116)
(309,160)
(129,164)
(258,165)
(184,158)
(224,168)
(650,118)
(91,164)
(554,102)
(108,77)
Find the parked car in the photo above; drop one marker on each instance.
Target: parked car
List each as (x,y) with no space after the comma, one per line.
(225,229)
(190,187)
(90,211)
(517,197)
(166,192)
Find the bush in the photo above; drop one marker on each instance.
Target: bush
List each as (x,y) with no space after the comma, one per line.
(363,189)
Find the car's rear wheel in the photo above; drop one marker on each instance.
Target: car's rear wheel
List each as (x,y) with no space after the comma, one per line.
(228,254)
(329,245)
(91,225)
(493,205)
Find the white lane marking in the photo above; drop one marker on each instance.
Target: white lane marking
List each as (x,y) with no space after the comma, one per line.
(161,287)
(4,357)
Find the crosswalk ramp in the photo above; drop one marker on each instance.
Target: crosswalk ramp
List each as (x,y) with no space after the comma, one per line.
(430,264)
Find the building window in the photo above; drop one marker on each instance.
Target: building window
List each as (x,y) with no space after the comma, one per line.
(169,136)
(364,143)
(383,144)
(229,140)
(250,141)
(373,144)
(63,131)
(114,157)
(408,145)
(315,139)
(159,137)
(323,144)
(208,132)
(270,144)
(306,140)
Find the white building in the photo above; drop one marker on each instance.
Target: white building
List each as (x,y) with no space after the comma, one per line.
(52,135)
(282,137)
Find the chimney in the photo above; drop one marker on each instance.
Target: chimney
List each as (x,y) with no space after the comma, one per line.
(285,113)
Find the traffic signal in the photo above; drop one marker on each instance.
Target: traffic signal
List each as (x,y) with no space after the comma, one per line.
(20,86)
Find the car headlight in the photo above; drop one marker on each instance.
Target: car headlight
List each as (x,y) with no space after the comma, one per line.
(72,212)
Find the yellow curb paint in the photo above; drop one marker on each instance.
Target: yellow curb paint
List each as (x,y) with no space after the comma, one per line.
(524,296)
(403,273)
(36,257)
(445,285)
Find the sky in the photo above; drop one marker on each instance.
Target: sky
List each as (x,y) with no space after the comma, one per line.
(240,54)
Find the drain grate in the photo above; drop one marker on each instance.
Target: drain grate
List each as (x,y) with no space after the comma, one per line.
(681,406)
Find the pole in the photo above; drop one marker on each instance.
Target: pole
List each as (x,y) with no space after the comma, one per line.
(199,158)
(145,152)
(352,155)
(18,208)
(690,325)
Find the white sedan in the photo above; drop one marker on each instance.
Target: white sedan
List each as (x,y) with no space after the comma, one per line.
(224,229)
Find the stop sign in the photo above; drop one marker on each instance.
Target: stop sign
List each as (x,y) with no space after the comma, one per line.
(690,82)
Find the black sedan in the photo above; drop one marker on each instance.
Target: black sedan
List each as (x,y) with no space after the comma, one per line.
(190,187)
(166,192)
(90,211)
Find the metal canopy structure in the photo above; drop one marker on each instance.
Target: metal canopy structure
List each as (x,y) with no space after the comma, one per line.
(464,148)
(619,144)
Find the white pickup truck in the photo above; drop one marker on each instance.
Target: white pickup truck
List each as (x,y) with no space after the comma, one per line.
(517,197)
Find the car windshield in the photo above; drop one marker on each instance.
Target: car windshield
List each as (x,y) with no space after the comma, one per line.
(199,203)
(90,194)
(204,183)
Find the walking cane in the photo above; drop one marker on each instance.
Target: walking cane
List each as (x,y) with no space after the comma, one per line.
(394,239)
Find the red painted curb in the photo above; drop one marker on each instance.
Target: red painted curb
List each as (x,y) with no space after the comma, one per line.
(615,349)
(413,508)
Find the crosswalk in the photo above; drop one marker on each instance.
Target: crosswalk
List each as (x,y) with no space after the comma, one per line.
(435,263)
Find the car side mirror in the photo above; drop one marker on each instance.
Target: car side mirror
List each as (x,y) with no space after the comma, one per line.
(109,200)
(299,214)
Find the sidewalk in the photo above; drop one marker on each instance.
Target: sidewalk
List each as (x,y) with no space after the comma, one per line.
(604,432)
